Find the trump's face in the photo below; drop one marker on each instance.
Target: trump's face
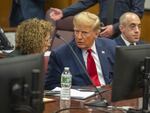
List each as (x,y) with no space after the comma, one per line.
(84,36)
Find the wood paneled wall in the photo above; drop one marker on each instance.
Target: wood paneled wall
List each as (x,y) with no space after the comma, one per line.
(146,26)
(5,8)
(57,3)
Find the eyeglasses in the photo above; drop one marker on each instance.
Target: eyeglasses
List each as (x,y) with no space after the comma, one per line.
(83,33)
(134,26)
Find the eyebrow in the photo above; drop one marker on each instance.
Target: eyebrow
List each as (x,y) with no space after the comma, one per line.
(81,30)
(134,24)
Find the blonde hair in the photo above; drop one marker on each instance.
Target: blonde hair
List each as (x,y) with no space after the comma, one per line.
(31,34)
(88,19)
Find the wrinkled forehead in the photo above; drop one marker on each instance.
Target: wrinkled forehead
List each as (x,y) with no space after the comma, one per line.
(132,20)
(83,27)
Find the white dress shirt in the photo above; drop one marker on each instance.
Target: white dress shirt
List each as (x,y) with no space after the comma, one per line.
(126,41)
(97,62)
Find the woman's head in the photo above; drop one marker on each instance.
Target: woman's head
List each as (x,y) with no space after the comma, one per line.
(33,36)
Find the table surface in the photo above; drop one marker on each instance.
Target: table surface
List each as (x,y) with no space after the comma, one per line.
(78,106)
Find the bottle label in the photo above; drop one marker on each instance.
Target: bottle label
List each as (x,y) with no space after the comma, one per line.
(65,94)
(66,81)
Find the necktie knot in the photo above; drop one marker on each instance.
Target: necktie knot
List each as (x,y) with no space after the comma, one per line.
(131,44)
(89,51)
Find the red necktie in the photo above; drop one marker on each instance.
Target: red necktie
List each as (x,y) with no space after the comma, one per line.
(91,68)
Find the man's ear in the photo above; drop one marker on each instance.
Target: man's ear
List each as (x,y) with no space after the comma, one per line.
(98,32)
(121,27)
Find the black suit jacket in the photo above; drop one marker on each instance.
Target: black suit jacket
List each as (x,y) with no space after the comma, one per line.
(119,41)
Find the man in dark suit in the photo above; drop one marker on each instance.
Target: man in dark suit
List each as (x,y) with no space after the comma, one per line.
(120,7)
(130,27)
(25,9)
(86,30)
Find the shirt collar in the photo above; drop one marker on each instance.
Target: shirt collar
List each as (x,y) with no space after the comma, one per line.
(126,41)
(93,47)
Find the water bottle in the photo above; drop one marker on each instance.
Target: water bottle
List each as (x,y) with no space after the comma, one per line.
(66,81)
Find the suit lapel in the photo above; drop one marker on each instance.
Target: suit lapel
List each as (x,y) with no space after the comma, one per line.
(103,59)
(121,41)
(79,54)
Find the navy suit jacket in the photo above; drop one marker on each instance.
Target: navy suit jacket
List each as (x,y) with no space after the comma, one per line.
(62,57)
(25,9)
(121,6)
(119,41)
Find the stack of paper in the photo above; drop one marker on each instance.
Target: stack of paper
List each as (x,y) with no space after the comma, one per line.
(77,94)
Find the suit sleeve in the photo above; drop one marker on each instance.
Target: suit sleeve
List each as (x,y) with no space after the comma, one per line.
(137,6)
(53,75)
(78,7)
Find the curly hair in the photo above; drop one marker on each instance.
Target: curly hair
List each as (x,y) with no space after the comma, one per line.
(31,34)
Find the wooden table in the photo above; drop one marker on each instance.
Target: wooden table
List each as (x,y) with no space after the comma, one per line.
(2,55)
(52,107)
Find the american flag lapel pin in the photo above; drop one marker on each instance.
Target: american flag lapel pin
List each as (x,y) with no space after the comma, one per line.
(103,52)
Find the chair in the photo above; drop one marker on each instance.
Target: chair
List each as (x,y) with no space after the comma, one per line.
(65,24)
(64,27)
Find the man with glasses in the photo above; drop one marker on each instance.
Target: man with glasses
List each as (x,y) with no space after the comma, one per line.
(130,27)
(96,55)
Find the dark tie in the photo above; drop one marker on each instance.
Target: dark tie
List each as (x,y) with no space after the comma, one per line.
(91,68)
(131,44)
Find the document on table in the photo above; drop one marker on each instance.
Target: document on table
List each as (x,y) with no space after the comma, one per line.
(48,100)
(76,93)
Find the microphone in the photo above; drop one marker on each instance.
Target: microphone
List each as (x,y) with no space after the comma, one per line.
(98,103)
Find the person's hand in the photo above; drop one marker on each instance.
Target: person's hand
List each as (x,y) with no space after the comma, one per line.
(55,14)
(107,31)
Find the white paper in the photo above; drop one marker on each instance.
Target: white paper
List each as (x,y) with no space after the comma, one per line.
(77,94)
(48,99)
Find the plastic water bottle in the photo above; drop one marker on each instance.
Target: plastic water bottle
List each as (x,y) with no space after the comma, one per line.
(66,81)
